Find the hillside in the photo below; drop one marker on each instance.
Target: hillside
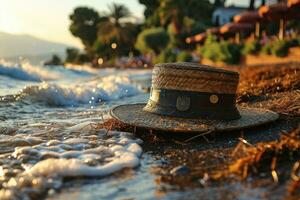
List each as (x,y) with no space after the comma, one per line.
(12,45)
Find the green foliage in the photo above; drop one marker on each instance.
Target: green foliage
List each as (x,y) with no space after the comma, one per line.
(151,6)
(164,12)
(200,11)
(117,12)
(102,49)
(266,49)
(55,60)
(184,57)
(280,48)
(152,40)
(98,33)
(150,13)
(298,40)
(294,42)
(82,58)
(180,17)
(252,47)
(113,30)
(174,40)
(222,51)
(189,27)
(166,56)
(84,23)
(235,53)
(72,54)
(219,3)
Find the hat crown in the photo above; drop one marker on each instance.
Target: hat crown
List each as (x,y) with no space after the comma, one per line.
(192,90)
(194,77)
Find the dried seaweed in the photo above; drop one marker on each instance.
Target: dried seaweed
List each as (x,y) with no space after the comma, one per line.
(275,87)
(277,158)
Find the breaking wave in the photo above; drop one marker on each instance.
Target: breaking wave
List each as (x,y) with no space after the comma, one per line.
(26,72)
(92,92)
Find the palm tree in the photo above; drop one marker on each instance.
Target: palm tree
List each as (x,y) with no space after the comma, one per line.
(252,4)
(115,29)
(173,12)
(219,3)
(112,27)
(118,12)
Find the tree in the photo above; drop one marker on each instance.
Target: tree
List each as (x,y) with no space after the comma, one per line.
(111,26)
(114,30)
(55,60)
(219,3)
(251,5)
(174,11)
(72,54)
(84,22)
(151,12)
(118,12)
(151,7)
(152,40)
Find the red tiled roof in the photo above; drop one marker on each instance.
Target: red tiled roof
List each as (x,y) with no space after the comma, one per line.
(247,17)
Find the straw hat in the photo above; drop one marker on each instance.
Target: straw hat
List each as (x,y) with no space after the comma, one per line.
(188,97)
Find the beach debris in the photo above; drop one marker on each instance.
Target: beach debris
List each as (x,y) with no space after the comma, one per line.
(180,170)
(200,135)
(274,87)
(256,158)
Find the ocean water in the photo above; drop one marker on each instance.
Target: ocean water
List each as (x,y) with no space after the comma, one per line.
(48,134)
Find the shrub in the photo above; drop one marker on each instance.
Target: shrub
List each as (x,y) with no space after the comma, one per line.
(82,58)
(266,49)
(166,56)
(55,60)
(184,57)
(102,49)
(280,48)
(235,53)
(220,51)
(72,54)
(152,40)
(294,42)
(252,47)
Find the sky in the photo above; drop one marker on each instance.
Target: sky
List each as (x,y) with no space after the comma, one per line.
(49,19)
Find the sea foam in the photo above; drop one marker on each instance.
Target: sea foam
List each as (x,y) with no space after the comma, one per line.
(41,165)
(91,92)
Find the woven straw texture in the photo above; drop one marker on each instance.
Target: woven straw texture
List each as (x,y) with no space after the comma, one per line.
(194,77)
(135,116)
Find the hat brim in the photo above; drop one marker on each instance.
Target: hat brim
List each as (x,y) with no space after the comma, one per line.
(133,114)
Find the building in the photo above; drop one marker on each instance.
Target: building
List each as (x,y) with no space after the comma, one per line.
(223,15)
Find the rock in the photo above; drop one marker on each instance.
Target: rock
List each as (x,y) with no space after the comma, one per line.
(180,170)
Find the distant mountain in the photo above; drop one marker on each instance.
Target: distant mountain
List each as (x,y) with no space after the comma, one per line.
(12,45)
